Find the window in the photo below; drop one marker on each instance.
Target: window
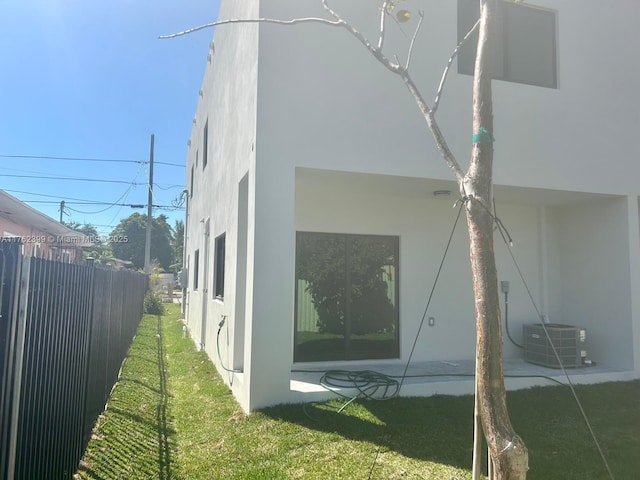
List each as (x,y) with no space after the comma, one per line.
(205,144)
(218,269)
(191,190)
(525,48)
(346,297)
(196,267)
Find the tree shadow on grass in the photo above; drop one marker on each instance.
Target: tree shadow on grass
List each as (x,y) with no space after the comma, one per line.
(438,429)
(136,433)
(164,450)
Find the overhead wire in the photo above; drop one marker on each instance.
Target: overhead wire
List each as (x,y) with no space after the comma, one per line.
(43,176)
(126,194)
(89,159)
(169,164)
(167,187)
(21,170)
(462,202)
(77,179)
(504,233)
(82,159)
(66,203)
(46,195)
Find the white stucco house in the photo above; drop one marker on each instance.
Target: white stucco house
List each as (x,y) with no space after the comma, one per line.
(313,229)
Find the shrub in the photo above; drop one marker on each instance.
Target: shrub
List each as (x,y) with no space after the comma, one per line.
(153,303)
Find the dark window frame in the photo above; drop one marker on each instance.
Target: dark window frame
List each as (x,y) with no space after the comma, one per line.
(196,268)
(205,144)
(507,41)
(348,354)
(219,266)
(192,178)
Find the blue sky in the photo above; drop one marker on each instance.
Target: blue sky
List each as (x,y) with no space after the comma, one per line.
(89,79)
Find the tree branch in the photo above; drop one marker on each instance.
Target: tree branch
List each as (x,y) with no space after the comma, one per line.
(377,53)
(383,16)
(413,39)
(436,102)
(295,21)
(429,117)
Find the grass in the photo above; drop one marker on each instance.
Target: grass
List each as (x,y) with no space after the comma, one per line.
(171,417)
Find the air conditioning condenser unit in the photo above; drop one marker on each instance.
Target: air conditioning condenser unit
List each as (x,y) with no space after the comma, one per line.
(569,342)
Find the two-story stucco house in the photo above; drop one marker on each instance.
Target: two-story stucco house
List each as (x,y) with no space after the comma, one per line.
(318,209)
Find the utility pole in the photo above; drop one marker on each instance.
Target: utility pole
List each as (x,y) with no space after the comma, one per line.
(147,243)
(61,209)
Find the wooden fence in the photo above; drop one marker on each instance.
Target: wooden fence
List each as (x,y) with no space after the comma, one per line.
(64,331)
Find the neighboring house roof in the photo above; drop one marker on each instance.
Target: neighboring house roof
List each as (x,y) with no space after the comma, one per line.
(121,263)
(18,212)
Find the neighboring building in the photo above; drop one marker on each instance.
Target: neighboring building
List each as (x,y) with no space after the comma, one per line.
(41,235)
(313,230)
(119,264)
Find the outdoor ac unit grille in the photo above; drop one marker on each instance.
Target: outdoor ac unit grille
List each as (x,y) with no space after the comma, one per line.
(569,342)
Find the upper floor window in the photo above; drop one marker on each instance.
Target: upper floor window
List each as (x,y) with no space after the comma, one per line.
(525,43)
(218,279)
(205,144)
(191,190)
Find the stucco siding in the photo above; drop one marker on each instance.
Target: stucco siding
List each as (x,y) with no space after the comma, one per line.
(227,106)
(355,203)
(308,132)
(579,136)
(595,277)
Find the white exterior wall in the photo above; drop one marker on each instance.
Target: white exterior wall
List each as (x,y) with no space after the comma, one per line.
(582,263)
(634,266)
(577,137)
(323,103)
(594,277)
(228,101)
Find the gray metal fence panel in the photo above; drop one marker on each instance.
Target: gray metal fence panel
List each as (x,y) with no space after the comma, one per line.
(9,298)
(64,332)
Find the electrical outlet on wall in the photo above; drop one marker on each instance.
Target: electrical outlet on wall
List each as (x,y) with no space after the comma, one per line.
(432,321)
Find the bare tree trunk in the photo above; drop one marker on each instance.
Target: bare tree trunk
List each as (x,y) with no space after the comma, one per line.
(509,454)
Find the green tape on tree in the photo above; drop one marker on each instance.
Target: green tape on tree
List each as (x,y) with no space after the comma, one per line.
(483,136)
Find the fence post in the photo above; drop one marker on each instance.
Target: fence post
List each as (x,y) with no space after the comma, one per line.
(9,290)
(23,290)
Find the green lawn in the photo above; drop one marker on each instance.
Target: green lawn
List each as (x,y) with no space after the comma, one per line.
(171,417)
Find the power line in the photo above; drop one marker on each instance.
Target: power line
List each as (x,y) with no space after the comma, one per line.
(49,196)
(77,179)
(167,187)
(98,180)
(132,205)
(74,159)
(128,191)
(170,164)
(89,159)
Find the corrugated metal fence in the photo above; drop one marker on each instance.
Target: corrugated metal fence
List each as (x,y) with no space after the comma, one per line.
(64,332)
